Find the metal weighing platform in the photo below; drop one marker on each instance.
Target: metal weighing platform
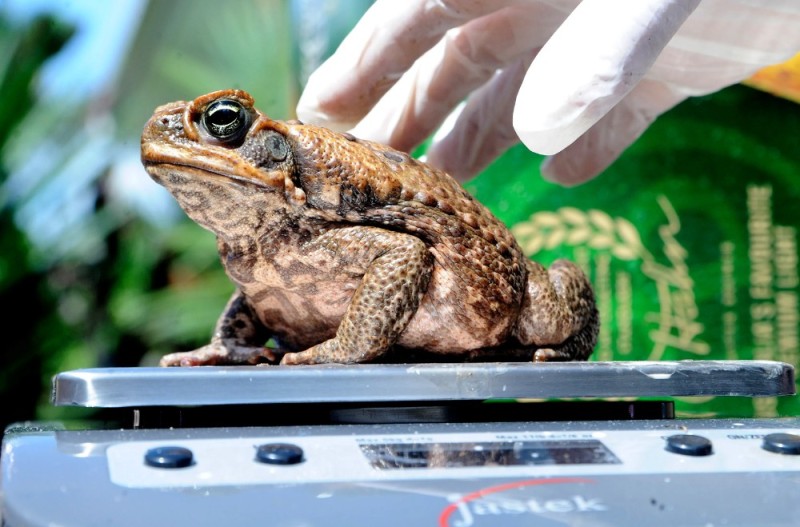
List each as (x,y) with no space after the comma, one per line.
(582,444)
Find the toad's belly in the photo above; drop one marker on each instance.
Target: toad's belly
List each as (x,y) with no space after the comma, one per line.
(454,318)
(302,318)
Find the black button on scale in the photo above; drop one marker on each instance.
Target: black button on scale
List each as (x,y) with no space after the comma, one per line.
(782,443)
(279,454)
(689,445)
(169,457)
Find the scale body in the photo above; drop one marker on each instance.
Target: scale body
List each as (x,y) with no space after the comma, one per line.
(410,445)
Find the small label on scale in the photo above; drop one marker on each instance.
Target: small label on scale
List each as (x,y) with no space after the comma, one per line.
(481,454)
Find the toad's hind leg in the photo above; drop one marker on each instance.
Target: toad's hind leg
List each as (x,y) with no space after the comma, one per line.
(558,314)
(382,306)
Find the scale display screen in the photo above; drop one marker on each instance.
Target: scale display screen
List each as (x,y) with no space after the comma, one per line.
(500,453)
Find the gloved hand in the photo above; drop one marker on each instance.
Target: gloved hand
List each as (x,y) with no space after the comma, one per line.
(578,81)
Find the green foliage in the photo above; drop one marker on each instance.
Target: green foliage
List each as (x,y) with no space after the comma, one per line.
(32,329)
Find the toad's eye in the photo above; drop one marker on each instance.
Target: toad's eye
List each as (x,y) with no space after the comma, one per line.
(226,120)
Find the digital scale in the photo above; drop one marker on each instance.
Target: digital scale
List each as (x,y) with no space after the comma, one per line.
(493,444)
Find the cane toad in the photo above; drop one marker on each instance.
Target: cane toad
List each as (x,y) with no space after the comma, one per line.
(343,250)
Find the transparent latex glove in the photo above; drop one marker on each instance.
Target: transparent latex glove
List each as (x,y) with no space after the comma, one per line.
(577,81)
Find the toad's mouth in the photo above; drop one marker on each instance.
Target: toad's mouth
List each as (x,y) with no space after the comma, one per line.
(166,172)
(163,158)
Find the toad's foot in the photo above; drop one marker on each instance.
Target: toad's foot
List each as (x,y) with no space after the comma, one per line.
(218,354)
(323,353)
(551,355)
(577,347)
(559,315)
(301,357)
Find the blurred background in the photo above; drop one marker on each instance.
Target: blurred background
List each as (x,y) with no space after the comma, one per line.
(99,267)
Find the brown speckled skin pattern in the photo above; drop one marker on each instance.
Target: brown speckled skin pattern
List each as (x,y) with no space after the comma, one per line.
(343,249)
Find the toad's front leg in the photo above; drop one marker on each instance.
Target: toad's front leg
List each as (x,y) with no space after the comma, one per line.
(239,338)
(390,292)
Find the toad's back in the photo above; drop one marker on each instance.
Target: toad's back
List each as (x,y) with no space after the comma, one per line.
(367,182)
